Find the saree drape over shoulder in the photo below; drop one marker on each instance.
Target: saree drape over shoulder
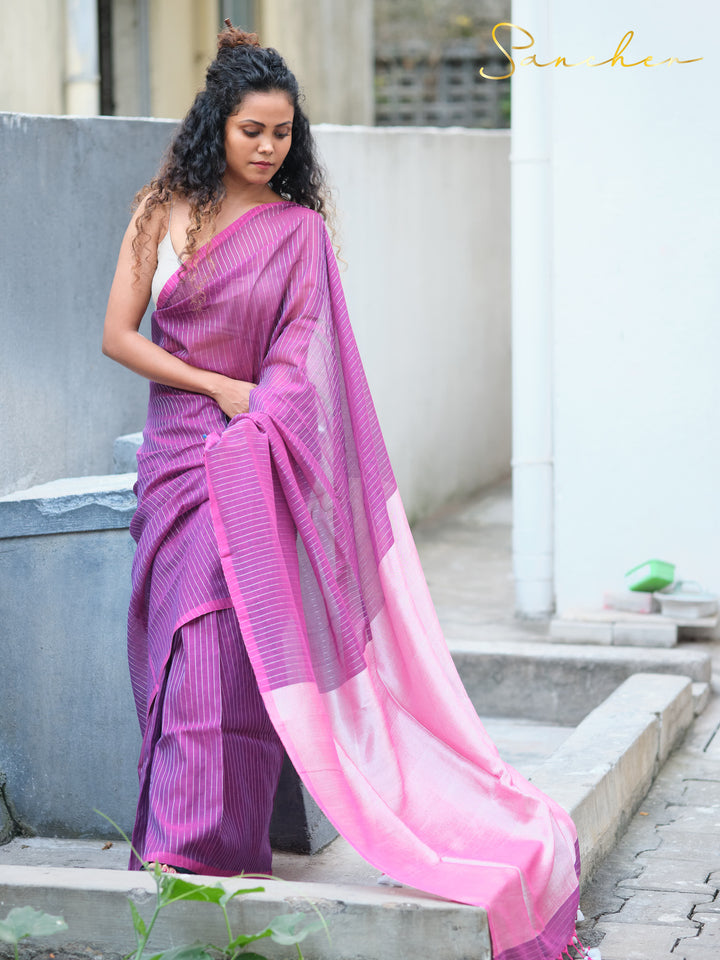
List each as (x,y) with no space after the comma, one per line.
(291,514)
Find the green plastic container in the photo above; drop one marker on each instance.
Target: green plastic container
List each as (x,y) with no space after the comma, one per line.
(650,575)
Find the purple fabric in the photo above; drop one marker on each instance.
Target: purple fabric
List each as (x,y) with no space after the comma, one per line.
(211,764)
(322,572)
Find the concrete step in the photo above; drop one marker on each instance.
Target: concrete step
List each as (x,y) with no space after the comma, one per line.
(560,683)
(365,923)
(600,773)
(701,696)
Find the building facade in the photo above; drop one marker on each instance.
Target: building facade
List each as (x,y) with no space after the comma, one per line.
(148,57)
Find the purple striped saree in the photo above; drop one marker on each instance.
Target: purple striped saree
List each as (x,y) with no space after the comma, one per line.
(318,562)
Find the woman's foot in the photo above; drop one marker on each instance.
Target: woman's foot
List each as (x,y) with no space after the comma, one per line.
(168,868)
(164,867)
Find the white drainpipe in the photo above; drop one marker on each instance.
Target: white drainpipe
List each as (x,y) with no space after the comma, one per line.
(82,73)
(532,330)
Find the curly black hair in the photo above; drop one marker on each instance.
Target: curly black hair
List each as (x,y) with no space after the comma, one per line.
(195,160)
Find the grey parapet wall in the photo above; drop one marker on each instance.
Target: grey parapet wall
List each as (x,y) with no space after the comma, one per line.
(69,735)
(67,187)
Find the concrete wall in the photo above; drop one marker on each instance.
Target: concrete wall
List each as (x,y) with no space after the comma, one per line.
(427,283)
(66,191)
(161,50)
(32,45)
(183,41)
(329,46)
(49,53)
(69,737)
(634,206)
(131,56)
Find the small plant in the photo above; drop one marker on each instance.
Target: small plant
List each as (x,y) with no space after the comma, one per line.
(24,922)
(288,930)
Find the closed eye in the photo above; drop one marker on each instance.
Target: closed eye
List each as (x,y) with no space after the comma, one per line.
(256,133)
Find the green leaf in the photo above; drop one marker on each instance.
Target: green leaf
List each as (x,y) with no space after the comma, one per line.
(175,887)
(244,939)
(227,896)
(253,956)
(24,922)
(137,920)
(293,928)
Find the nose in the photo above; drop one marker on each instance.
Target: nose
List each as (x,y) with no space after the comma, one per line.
(265,145)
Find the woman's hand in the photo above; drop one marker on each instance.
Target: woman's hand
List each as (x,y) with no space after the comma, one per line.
(232,396)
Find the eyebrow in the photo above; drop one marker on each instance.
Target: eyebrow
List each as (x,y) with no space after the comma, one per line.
(282,123)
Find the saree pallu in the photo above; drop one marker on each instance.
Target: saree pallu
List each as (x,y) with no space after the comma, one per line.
(322,572)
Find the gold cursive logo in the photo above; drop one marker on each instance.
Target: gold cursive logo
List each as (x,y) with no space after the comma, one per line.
(615,60)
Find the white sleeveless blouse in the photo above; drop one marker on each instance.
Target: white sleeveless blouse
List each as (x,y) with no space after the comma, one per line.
(167,263)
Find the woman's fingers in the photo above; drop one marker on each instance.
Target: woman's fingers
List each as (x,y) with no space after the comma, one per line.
(233,396)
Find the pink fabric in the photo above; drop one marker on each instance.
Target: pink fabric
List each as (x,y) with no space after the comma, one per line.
(333,606)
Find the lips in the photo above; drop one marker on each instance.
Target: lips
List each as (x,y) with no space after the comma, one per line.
(261,163)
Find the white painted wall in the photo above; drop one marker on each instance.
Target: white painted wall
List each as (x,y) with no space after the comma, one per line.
(425,233)
(636,299)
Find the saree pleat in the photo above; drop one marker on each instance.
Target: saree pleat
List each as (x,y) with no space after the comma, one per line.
(323,575)
(213,759)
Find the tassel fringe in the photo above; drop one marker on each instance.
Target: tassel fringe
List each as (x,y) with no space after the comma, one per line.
(576,951)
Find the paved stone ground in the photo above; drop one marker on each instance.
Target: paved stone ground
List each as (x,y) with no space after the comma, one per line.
(656,895)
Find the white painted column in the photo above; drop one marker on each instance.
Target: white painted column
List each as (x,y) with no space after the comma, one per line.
(532,242)
(82,74)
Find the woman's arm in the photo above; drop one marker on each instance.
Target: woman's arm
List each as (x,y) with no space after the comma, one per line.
(122,341)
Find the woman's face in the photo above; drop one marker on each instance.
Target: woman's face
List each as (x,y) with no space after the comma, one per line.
(257,138)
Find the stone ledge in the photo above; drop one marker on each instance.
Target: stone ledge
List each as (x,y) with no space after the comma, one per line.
(701,696)
(365,923)
(609,616)
(640,631)
(565,682)
(625,628)
(604,769)
(125,450)
(70,505)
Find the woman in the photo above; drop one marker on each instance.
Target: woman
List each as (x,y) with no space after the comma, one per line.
(277,594)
